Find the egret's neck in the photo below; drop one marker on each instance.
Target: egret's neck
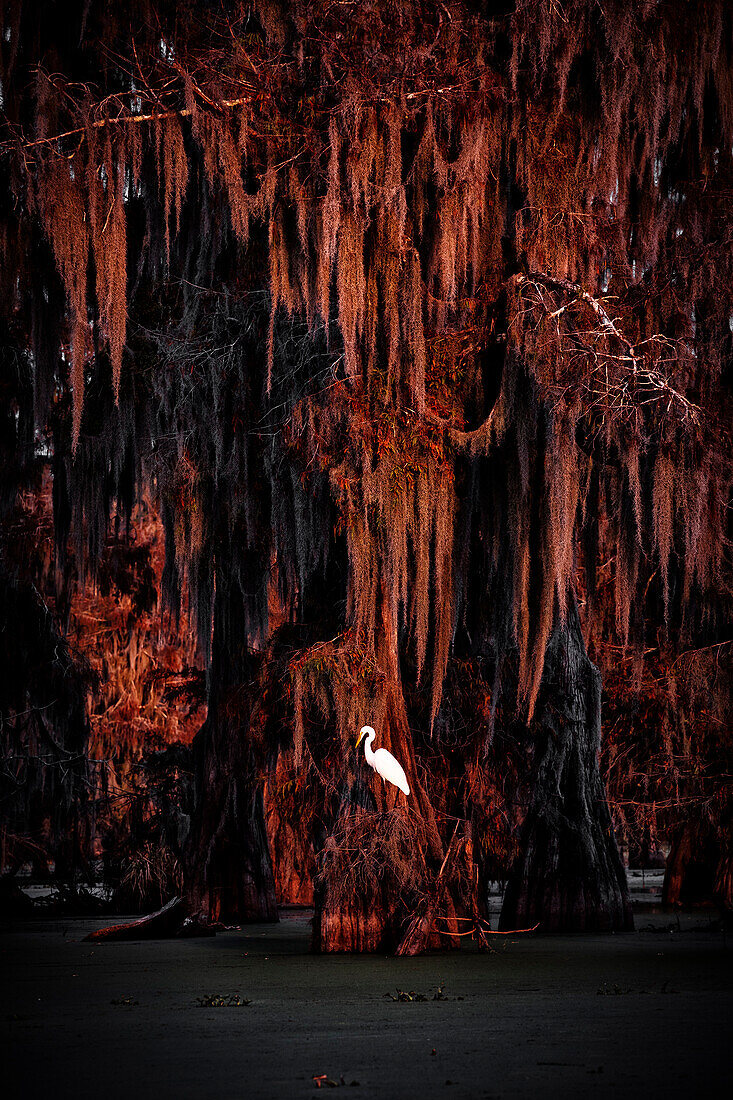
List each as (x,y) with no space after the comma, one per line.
(368,747)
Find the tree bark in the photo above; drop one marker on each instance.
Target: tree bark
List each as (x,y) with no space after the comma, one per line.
(365,923)
(291,844)
(228,867)
(230,874)
(569,876)
(390,914)
(697,867)
(386,913)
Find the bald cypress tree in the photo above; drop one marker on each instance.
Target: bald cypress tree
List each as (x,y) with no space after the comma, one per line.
(410,318)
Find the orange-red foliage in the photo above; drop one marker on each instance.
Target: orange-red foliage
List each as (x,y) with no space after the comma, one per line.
(502,252)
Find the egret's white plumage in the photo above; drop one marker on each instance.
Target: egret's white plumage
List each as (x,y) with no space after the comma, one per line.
(382,761)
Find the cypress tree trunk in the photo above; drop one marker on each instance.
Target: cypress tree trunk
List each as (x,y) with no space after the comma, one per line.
(364,922)
(389,910)
(44,732)
(229,870)
(385,911)
(695,864)
(569,876)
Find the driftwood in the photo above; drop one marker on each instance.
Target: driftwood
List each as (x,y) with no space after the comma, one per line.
(165,923)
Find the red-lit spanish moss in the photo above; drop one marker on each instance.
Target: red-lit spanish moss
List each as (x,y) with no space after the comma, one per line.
(413,323)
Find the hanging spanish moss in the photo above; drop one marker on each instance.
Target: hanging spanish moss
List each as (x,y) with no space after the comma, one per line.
(404,346)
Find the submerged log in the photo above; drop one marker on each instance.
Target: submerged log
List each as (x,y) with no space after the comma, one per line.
(164,923)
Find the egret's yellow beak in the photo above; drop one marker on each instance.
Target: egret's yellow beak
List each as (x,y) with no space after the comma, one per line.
(359,739)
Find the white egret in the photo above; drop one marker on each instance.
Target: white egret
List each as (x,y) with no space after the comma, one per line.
(382,761)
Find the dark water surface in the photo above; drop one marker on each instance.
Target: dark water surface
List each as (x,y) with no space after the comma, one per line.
(643,1015)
